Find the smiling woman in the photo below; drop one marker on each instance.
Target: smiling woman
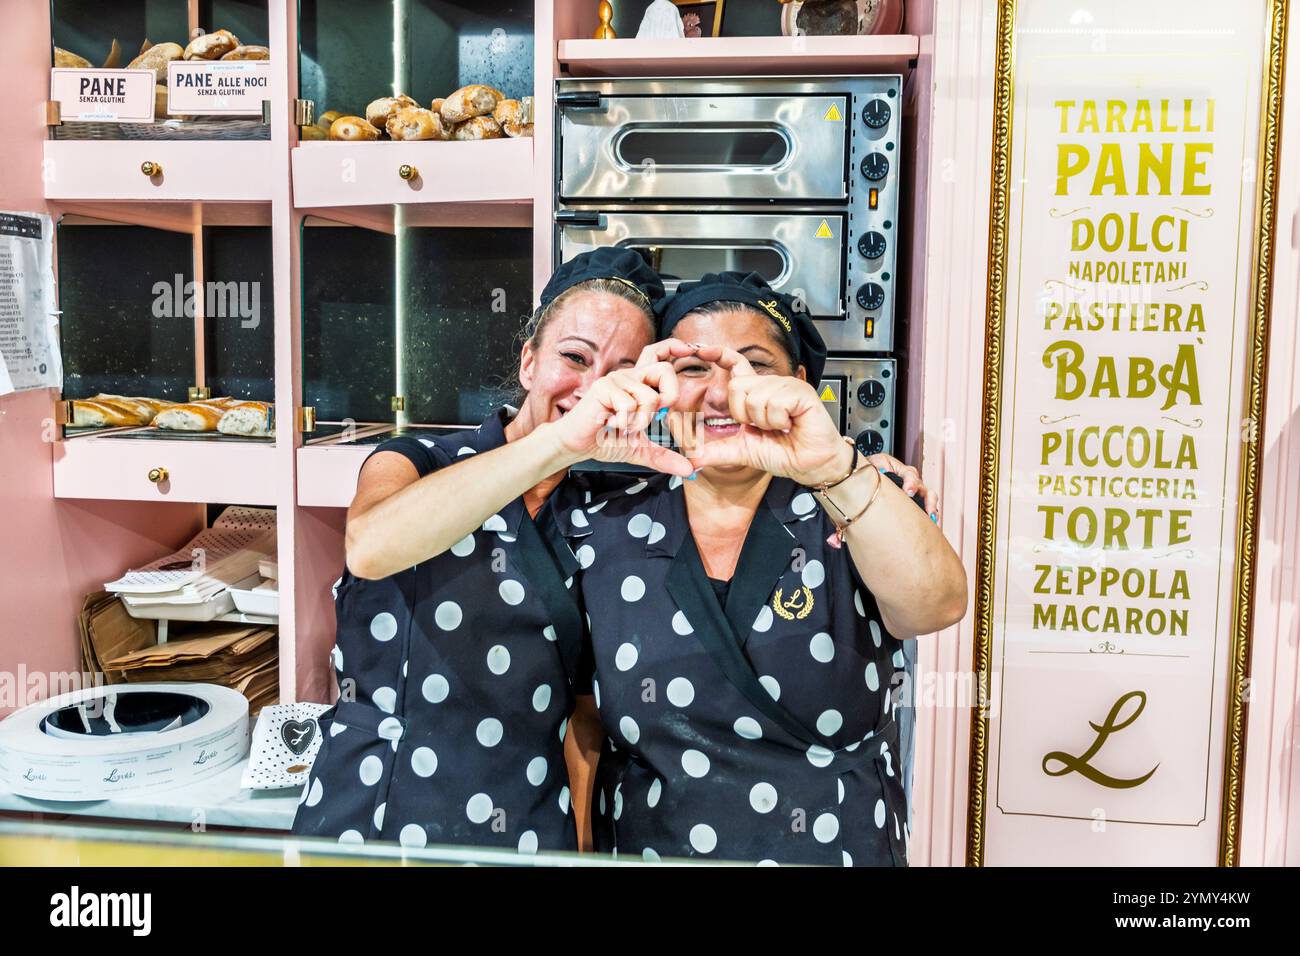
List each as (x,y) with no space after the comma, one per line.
(745,661)
(459,640)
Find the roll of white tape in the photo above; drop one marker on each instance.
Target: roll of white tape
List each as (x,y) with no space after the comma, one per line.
(100,742)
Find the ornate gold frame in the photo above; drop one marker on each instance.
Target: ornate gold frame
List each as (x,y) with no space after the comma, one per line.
(1256,380)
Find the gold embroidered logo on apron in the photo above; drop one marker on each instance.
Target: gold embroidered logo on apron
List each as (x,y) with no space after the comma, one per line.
(797,606)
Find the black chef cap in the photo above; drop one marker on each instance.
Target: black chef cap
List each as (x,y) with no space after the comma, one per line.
(796,325)
(606,262)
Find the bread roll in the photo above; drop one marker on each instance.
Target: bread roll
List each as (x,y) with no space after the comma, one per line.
(380,111)
(436,105)
(243,52)
(62,58)
(114,55)
(480,127)
(415,122)
(211,46)
(352,128)
(327,118)
(248,418)
(311,132)
(470,101)
(156,58)
(190,417)
(509,116)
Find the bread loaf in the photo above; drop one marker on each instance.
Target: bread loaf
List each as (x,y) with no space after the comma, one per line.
(248,418)
(327,118)
(352,128)
(415,122)
(143,409)
(480,127)
(380,111)
(190,417)
(311,132)
(470,101)
(436,105)
(243,52)
(62,58)
(509,115)
(211,46)
(90,412)
(156,58)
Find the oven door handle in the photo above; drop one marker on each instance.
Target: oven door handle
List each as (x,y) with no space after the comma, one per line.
(580,100)
(582,218)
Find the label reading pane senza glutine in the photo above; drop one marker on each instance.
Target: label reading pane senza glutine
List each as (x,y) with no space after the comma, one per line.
(103,96)
(235,87)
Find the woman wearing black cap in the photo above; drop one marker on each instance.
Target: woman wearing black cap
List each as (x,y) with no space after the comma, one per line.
(746,623)
(459,636)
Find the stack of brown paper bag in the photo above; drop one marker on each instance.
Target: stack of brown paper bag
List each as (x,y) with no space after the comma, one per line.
(241,657)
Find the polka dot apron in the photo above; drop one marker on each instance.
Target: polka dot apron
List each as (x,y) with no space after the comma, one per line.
(761,730)
(455,686)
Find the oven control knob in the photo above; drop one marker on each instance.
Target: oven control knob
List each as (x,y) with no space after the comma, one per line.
(871,295)
(871,245)
(875,166)
(870,442)
(871,393)
(876,114)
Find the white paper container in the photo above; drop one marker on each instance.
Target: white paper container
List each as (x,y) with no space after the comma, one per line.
(249,598)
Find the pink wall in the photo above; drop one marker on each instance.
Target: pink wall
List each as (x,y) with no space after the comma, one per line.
(52,552)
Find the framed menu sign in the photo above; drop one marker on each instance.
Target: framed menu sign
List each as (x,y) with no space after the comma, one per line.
(1134,175)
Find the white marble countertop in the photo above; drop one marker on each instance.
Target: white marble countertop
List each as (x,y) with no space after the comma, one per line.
(218,802)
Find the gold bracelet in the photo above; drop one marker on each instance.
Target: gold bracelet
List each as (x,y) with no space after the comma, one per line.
(837,539)
(853,467)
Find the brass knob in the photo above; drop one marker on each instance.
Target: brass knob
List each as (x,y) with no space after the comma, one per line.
(157,475)
(407,172)
(151,169)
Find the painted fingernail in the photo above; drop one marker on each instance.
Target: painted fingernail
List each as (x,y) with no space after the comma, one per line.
(661,414)
(691,476)
(934,516)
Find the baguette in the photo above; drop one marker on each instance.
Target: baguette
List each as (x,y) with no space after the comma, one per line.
(143,408)
(91,412)
(190,417)
(249,418)
(469,102)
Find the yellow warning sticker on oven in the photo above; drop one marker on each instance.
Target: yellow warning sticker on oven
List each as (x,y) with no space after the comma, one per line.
(827,395)
(833,114)
(824,231)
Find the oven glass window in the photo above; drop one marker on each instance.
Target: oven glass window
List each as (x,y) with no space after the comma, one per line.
(694,148)
(688,262)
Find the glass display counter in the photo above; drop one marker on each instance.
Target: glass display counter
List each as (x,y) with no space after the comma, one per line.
(431,102)
(222,38)
(416,329)
(139,323)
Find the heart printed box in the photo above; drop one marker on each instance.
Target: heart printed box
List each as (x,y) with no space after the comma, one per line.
(285,742)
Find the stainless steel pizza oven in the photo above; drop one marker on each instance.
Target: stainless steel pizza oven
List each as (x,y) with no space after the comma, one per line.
(794,178)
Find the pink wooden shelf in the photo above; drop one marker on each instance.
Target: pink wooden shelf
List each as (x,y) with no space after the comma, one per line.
(327,474)
(118,469)
(738,56)
(211,170)
(362,174)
